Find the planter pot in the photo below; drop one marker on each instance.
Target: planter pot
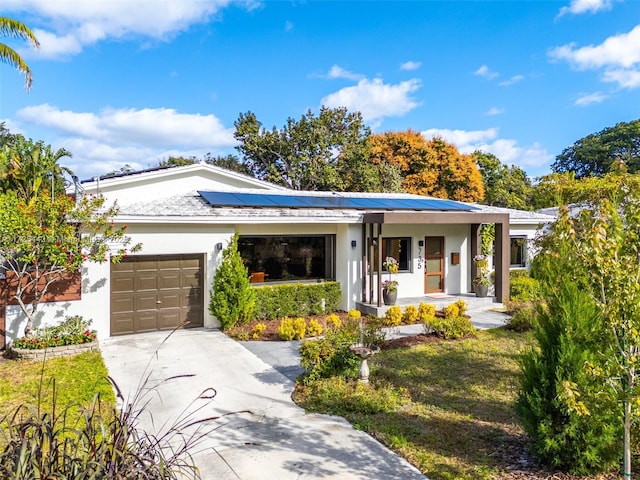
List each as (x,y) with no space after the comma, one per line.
(481,290)
(389,298)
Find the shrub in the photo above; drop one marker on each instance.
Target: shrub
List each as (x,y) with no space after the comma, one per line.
(258,330)
(567,408)
(314,329)
(411,314)
(72,331)
(518,273)
(354,314)
(393,316)
(334,321)
(522,319)
(524,289)
(451,311)
(304,299)
(232,296)
(290,329)
(462,307)
(330,356)
(451,328)
(426,312)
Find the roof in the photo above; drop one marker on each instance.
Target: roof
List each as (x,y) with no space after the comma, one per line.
(331,200)
(521,217)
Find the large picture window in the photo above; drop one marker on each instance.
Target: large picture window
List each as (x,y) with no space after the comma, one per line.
(288,258)
(518,252)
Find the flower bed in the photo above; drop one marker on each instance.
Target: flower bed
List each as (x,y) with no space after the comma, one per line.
(52,352)
(70,337)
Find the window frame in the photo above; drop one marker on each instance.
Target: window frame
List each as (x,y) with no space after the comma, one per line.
(386,241)
(329,256)
(524,254)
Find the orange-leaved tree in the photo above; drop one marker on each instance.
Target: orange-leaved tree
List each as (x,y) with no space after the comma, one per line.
(433,168)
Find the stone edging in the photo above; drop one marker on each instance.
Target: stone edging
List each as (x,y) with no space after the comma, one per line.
(52,352)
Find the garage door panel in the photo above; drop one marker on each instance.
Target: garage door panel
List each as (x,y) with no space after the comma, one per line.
(122,284)
(145,302)
(122,323)
(169,319)
(169,280)
(146,281)
(122,304)
(140,282)
(169,299)
(150,265)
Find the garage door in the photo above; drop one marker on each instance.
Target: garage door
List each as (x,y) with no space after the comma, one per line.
(159,292)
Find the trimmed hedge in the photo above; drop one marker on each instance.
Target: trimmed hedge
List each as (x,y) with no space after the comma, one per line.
(296,299)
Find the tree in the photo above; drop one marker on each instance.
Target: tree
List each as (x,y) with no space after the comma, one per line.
(432,168)
(558,189)
(595,153)
(27,167)
(313,153)
(504,186)
(46,238)
(230,162)
(567,408)
(177,162)
(602,245)
(15,29)
(232,296)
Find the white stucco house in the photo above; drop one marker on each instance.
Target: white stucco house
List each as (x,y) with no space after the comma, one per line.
(185,216)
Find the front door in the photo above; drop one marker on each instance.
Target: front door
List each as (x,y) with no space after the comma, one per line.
(434,264)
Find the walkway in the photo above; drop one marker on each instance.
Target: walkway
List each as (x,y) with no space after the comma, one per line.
(272,439)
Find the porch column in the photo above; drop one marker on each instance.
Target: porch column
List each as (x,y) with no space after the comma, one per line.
(379,260)
(370,260)
(475,247)
(363,264)
(502,262)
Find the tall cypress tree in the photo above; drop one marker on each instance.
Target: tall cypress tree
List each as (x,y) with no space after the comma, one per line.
(232,296)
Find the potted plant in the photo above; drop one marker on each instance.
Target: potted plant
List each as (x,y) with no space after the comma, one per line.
(390,287)
(481,282)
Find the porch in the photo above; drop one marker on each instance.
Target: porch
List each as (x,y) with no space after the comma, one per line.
(484,311)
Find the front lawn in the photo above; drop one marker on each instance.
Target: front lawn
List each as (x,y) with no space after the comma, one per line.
(446,406)
(77,380)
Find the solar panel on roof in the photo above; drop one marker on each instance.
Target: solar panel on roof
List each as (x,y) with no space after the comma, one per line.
(267,200)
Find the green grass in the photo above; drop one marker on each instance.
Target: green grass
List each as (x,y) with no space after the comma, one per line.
(447,407)
(77,379)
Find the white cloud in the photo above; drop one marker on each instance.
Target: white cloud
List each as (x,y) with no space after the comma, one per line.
(590,98)
(288,26)
(507,150)
(624,78)
(512,81)
(137,137)
(494,111)
(375,99)
(410,65)
(578,7)
(77,23)
(485,72)
(337,71)
(618,55)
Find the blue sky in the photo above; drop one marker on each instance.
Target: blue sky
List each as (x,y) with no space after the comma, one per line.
(134,81)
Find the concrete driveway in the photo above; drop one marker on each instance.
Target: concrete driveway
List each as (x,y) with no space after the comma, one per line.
(276,440)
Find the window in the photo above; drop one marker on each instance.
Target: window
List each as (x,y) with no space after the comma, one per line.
(400,249)
(288,258)
(518,252)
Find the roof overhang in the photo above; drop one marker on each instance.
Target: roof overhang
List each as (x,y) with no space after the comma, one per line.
(445,217)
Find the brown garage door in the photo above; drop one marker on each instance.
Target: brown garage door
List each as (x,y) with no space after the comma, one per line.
(156,292)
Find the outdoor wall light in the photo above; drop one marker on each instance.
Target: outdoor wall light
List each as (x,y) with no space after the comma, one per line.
(421,243)
(218,246)
(353,244)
